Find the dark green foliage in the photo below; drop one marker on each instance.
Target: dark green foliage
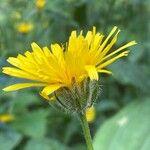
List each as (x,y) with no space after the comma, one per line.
(37,124)
(9,139)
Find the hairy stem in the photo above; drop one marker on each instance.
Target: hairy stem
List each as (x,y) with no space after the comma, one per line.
(86,131)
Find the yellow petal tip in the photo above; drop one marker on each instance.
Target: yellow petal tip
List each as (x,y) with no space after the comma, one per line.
(134,42)
(6,89)
(33,45)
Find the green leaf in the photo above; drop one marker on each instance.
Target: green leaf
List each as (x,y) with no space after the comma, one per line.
(25,99)
(128,130)
(130,73)
(44,144)
(107,104)
(79,147)
(32,124)
(9,139)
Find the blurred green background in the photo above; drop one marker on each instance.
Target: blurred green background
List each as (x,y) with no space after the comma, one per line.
(123,108)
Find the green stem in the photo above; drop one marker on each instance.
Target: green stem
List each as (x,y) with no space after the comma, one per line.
(86,131)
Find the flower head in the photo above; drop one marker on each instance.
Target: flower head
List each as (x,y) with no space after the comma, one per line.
(24,27)
(60,66)
(6,118)
(40,4)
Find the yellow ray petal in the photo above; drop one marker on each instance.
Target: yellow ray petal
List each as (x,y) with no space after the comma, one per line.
(104,71)
(19,86)
(125,53)
(47,52)
(50,89)
(19,73)
(120,49)
(108,37)
(109,46)
(23,65)
(36,48)
(74,34)
(72,42)
(92,72)
(57,50)
(38,53)
(14,61)
(88,37)
(47,97)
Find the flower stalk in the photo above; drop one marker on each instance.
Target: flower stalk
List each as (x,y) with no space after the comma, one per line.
(86,131)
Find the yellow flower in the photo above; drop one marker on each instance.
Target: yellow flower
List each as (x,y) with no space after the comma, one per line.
(90,114)
(58,66)
(40,4)
(6,118)
(25,27)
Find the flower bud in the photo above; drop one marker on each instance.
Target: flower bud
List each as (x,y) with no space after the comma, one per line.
(78,97)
